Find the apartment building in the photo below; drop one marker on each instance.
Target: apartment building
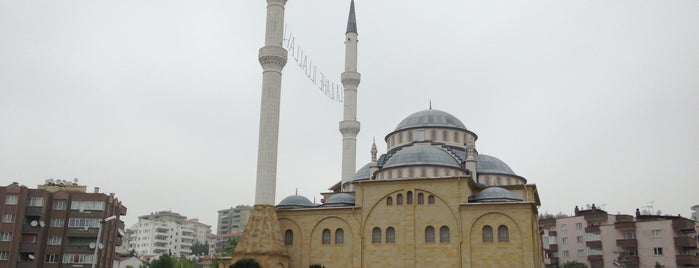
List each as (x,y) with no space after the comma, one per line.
(233,220)
(599,239)
(166,232)
(58,225)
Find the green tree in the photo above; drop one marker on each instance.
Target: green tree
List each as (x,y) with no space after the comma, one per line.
(246,263)
(232,243)
(214,263)
(200,249)
(165,261)
(658,265)
(185,263)
(573,264)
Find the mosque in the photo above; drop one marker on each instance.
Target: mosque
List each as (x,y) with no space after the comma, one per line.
(431,200)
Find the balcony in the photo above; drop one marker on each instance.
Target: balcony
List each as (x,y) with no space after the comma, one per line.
(627,243)
(683,225)
(553,247)
(625,225)
(81,232)
(25,247)
(596,217)
(554,260)
(33,211)
(28,229)
(594,244)
(547,223)
(77,249)
(595,259)
(592,229)
(631,260)
(687,260)
(685,242)
(553,233)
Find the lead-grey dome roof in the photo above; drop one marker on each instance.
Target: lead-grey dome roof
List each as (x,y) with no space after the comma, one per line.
(490,164)
(421,155)
(363,173)
(340,199)
(295,201)
(430,118)
(495,194)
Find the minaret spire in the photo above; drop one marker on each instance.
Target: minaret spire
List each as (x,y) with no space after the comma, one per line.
(349,126)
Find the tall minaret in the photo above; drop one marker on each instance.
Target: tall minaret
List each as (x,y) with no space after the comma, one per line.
(262,238)
(349,126)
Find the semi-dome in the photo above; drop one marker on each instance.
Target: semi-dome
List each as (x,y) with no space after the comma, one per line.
(421,155)
(363,173)
(295,201)
(340,199)
(489,164)
(430,118)
(495,194)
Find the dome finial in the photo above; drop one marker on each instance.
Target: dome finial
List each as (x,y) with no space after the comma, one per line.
(351,20)
(430,104)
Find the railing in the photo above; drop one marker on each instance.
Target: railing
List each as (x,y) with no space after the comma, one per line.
(627,243)
(594,244)
(625,225)
(685,260)
(685,242)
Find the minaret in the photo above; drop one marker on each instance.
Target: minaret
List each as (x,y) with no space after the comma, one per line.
(262,238)
(349,126)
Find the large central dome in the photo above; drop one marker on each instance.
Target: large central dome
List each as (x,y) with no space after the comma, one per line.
(430,118)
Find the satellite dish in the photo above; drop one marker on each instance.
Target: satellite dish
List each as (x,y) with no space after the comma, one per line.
(34,223)
(101,245)
(31,256)
(92,245)
(42,224)
(121,232)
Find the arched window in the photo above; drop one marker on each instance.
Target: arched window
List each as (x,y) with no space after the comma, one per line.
(400,138)
(399,199)
(435,172)
(444,234)
(503,234)
(409,197)
(376,235)
(456,136)
(390,235)
(289,237)
(389,201)
(487,233)
(339,236)
(410,136)
(430,199)
(326,236)
(433,135)
(444,136)
(420,198)
(423,172)
(429,234)
(411,173)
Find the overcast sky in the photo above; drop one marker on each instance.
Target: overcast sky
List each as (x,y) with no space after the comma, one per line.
(158,101)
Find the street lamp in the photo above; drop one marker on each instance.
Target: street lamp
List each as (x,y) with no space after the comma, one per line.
(99,237)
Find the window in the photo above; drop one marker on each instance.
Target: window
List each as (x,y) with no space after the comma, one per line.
(581,253)
(657,251)
(326,236)
(430,199)
(444,135)
(433,134)
(655,234)
(376,235)
(410,197)
(11,200)
(78,258)
(578,226)
(456,136)
(390,235)
(8,218)
(87,205)
(487,233)
(4,255)
(57,222)
(389,201)
(429,234)
(410,135)
(59,205)
(564,241)
(444,234)
(579,239)
(82,223)
(503,234)
(629,235)
(399,199)
(54,240)
(36,202)
(288,237)
(566,253)
(420,134)
(5,236)
(420,199)
(51,258)
(339,236)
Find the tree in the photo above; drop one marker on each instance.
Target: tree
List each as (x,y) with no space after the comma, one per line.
(573,264)
(658,265)
(185,263)
(165,261)
(246,263)
(214,263)
(200,249)
(232,243)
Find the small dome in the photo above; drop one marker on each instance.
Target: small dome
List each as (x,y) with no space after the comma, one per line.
(363,173)
(421,155)
(340,199)
(430,118)
(490,164)
(295,201)
(495,194)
